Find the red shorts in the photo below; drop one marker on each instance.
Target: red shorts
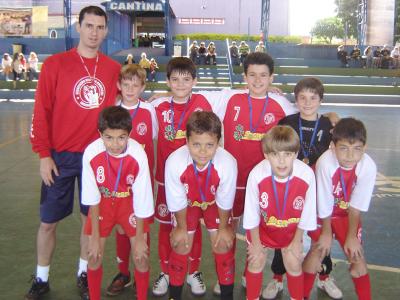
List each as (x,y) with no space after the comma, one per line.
(113,212)
(280,239)
(194,214)
(340,226)
(238,203)
(162,213)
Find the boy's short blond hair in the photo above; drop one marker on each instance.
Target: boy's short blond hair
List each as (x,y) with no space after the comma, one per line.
(280,138)
(131,70)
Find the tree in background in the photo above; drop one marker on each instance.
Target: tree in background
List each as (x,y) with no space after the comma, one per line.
(347,12)
(327,29)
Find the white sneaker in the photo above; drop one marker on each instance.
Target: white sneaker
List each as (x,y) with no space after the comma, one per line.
(217,289)
(196,283)
(272,289)
(160,286)
(244,284)
(329,286)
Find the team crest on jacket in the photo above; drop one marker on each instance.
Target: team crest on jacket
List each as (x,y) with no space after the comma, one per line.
(141,128)
(89,93)
(212,189)
(130,179)
(162,210)
(132,220)
(269,118)
(298,203)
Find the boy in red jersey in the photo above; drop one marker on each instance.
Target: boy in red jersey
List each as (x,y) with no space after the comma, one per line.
(117,187)
(131,83)
(345,179)
(314,131)
(200,179)
(280,206)
(74,86)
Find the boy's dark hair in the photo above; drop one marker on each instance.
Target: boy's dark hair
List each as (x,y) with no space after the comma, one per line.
(201,122)
(280,138)
(114,117)
(92,10)
(131,70)
(259,58)
(350,130)
(182,65)
(311,84)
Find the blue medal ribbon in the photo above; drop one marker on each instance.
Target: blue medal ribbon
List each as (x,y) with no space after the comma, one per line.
(281,212)
(343,185)
(307,153)
(118,173)
(134,112)
(196,174)
(181,117)
(253,129)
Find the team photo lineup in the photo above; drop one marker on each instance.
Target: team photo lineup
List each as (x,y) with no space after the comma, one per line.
(225,163)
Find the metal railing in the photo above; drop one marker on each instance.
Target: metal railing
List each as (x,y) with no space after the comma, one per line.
(230,67)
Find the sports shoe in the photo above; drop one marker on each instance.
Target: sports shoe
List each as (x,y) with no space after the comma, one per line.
(82,284)
(160,286)
(37,289)
(329,286)
(217,287)
(196,283)
(273,288)
(118,284)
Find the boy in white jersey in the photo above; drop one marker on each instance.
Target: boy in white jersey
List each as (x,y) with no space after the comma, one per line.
(200,179)
(131,83)
(280,205)
(345,180)
(116,185)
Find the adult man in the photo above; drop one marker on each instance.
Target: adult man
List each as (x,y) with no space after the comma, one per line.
(74,87)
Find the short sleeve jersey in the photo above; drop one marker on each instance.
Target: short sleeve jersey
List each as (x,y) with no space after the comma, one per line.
(278,221)
(183,185)
(241,139)
(321,141)
(105,177)
(359,184)
(172,119)
(144,128)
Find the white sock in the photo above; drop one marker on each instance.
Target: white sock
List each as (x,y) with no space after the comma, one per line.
(82,266)
(42,272)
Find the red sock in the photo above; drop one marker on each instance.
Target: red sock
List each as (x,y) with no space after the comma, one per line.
(363,287)
(195,253)
(278,277)
(177,268)
(142,282)
(94,282)
(164,246)
(225,266)
(309,279)
(123,251)
(323,277)
(254,283)
(296,286)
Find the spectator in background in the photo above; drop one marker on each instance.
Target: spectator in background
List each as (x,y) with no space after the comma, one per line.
(244,50)
(377,58)
(129,60)
(6,65)
(16,68)
(234,51)
(23,65)
(194,52)
(386,59)
(368,57)
(342,56)
(395,55)
(145,64)
(153,68)
(260,47)
(211,54)
(202,53)
(33,66)
(355,56)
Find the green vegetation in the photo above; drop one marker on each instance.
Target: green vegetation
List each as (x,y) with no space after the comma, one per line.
(237,37)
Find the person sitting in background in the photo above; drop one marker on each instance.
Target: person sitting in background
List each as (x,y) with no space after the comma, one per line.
(145,64)
(211,54)
(129,60)
(234,51)
(260,47)
(153,68)
(194,52)
(342,56)
(6,65)
(377,59)
(33,66)
(386,59)
(23,66)
(395,55)
(244,50)
(16,68)
(355,55)
(368,57)
(202,53)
